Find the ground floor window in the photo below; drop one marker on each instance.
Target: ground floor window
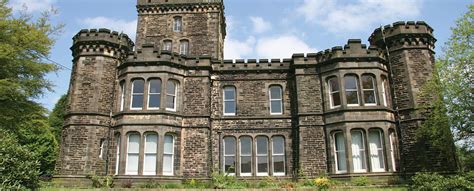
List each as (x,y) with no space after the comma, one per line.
(376,151)
(133,154)
(168,155)
(340,152)
(229,155)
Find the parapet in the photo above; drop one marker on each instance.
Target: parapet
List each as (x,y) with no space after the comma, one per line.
(354,50)
(101,41)
(172,2)
(402,34)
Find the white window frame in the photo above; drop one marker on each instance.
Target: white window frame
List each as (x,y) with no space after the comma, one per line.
(176,84)
(261,155)
(226,155)
(373,90)
(169,154)
(276,155)
(331,92)
(151,94)
(245,155)
(381,148)
(133,94)
(271,99)
(145,154)
(168,45)
(117,156)
(122,96)
(178,24)
(392,149)
(352,90)
(184,47)
(336,161)
(361,150)
(230,100)
(128,153)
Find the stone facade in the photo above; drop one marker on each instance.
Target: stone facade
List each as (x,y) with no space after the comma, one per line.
(177,111)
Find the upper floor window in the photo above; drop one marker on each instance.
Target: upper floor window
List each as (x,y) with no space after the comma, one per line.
(171,90)
(168,45)
(340,152)
(278,155)
(334,97)
(133,154)
(229,100)
(385,91)
(229,155)
(178,24)
(184,47)
(368,89)
(122,95)
(262,156)
(151,150)
(358,151)
(245,156)
(154,94)
(168,155)
(352,92)
(276,105)
(137,94)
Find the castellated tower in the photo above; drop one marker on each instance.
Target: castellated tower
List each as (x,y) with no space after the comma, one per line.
(96,54)
(410,48)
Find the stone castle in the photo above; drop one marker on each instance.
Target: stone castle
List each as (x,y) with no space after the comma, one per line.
(170,107)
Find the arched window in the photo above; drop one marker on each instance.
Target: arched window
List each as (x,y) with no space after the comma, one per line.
(117,155)
(151,148)
(133,153)
(262,156)
(229,100)
(276,98)
(368,88)
(178,24)
(154,94)
(340,152)
(352,92)
(245,156)
(229,155)
(168,45)
(184,47)
(137,94)
(171,90)
(393,149)
(385,91)
(278,155)
(358,151)
(168,156)
(334,97)
(376,150)
(122,95)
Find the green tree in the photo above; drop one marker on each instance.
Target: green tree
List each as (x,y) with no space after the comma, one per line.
(56,117)
(456,73)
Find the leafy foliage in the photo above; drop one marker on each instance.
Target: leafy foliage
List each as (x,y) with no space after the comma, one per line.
(361,181)
(18,166)
(101,181)
(56,117)
(434,181)
(322,183)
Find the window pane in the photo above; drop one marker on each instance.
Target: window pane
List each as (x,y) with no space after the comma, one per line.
(149,164)
(167,45)
(367,82)
(138,86)
(245,146)
(154,101)
(137,101)
(229,93)
(246,164)
(151,143)
(262,145)
(133,143)
(334,86)
(229,146)
(358,156)
(132,164)
(171,88)
(352,97)
(155,86)
(275,92)
(376,150)
(167,164)
(229,164)
(350,82)
(229,107)
(276,106)
(278,145)
(336,99)
(168,148)
(369,96)
(340,152)
(262,164)
(278,164)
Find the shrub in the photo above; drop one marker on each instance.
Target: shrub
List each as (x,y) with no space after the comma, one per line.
(322,183)
(195,184)
(19,168)
(268,182)
(434,181)
(361,181)
(151,184)
(221,180)
(101,181)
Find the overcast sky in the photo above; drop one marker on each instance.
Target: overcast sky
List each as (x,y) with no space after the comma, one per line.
(256,28)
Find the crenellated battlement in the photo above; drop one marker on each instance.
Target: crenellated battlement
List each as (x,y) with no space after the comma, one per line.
(404,34)
(173,2)
(101,41)
(354,50)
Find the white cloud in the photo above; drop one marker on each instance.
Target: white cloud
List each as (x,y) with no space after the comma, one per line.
(235,49)
(338,15)
(281,46)
(32,5)
(260,25)
(127,27)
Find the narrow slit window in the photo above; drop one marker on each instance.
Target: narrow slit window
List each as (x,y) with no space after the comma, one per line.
(245,156)
(368,88)
(117,154)
(168,156)
(262,156)
(229,101)
(334,96)
(278,156)
(171,90)
(137,94)
(151,148)
(358,151)
(178,24)
(276,105)
(352,92)
(154,94)
(122,95)
(340,153)
(376,151)
(393,148)
(133,153)
(385,91)
(102,149)
(229,155)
